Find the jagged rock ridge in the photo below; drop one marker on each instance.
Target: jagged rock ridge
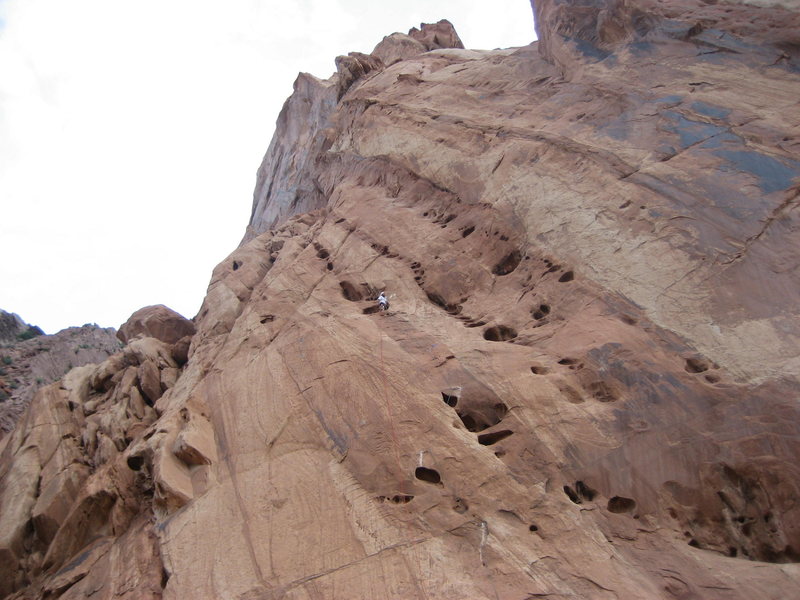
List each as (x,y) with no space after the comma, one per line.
(585,386)
(29,360)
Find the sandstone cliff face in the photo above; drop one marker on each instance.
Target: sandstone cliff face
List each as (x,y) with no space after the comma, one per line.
(587,381)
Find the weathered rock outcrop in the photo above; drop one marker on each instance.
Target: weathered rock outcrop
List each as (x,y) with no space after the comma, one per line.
(14,329)
(586,385)
(81,482)
(158,322)
(30,360)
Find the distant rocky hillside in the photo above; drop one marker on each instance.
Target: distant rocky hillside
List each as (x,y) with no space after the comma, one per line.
(14,329)
(585,387)
(30,360)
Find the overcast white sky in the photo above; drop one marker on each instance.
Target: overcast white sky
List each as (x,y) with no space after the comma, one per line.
(131,131)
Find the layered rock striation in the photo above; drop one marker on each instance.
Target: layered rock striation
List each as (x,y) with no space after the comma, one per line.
(586,384)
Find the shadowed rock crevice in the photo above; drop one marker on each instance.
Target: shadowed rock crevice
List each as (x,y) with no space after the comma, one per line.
(499,333)
(508,264)
(428,475)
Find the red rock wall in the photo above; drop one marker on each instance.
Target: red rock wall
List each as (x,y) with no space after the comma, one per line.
(585,385)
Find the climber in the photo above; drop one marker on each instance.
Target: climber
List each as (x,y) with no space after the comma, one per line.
(383,303)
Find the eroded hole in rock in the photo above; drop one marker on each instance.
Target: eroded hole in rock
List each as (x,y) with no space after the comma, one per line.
(500,411)
(584,491)
(135,462)
(499,333)
(509,513)
(453,309)
(696,365)
(467,231)
(539,370)
(400,499)
(601,391)
(572,495)
(164,578)
(237,264)
(460,506)
(371,310)
(329,266)
(568,361)
(533,528)
(480,418)
(620,504)
(267,319)
(568,276)
(693,543)
(541,312)
(436,299)
(627,319)
(487,439)
(350,291)
(712,378)
(449,399)
(469,422)
(427,475)
(508,263)
(323,253)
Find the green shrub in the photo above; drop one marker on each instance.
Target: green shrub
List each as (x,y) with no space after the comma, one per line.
(3,372)
(7,360)
(3,396)
(40,380)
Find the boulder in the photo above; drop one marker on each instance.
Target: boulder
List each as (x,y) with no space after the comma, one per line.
(436,35)
(158,322)
(397,47)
